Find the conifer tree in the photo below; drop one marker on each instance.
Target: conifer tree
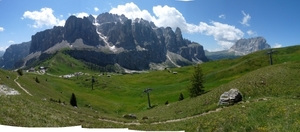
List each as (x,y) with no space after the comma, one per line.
(197,80)
(20,72)
(73,100)
(181,97)
(37,80)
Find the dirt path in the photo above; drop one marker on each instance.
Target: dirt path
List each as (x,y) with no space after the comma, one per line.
(21,86)
(118,122)
(181,119)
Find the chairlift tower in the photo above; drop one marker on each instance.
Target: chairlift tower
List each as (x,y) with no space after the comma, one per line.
(270,52)
(93,80)
(147,91)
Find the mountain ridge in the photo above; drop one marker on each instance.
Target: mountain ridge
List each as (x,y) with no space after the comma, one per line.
(241,47)
(245,46)
(132,44)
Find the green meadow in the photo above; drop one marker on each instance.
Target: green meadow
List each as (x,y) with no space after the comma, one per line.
(271,96)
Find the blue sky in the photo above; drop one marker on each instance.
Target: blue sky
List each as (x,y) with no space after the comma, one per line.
(215,24)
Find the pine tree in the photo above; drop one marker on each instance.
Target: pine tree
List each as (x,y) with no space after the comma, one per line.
(180,97)
(20,72)
(73,101)
(197,80)
(37,80)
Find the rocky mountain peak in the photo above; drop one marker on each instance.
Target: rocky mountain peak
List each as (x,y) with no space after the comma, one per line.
(246,46)
(111,39)
(13,54)
(83,28)
(144,22)
(178,31)
(91,18)
(109,17)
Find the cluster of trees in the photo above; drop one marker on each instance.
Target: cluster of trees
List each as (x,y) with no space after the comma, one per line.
(95,67)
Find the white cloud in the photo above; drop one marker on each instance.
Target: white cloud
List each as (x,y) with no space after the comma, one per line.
(165,16)
(96,9)
(1,29)
(81,14)
(131,11)
(246,19)
(170,16)
(11,41)
(44,17)
(222,16)
(3,48)
(226,35)
(251,33)
(276,45)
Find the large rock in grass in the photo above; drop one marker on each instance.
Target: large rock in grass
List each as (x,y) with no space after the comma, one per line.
(230,97)
(129,116)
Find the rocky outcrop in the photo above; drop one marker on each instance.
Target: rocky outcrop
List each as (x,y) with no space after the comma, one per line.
(246,46)
(76,28)
(43,40)
(13,54)
(108,18)
(111,39)
(193,52)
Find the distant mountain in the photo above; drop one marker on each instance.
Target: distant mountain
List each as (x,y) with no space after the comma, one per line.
(246,46)
(13,54)
(240,48)
(111,39)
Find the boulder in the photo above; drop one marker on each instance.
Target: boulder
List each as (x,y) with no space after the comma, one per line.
(129,116)
(230,97)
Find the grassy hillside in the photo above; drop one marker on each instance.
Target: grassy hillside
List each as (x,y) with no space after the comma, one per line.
(119,94)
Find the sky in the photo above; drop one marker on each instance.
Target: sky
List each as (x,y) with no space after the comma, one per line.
(215,24)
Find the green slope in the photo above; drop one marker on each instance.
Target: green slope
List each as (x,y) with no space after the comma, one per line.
(122,94)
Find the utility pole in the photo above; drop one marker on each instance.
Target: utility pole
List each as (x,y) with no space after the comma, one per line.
(270,56)
(147,91)
(93,80)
